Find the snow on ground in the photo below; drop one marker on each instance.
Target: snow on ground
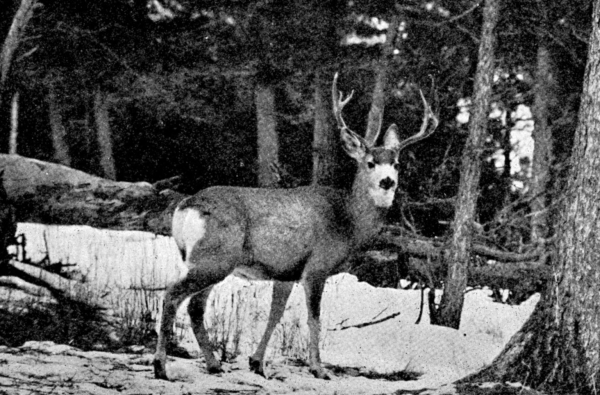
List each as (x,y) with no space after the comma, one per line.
(441,354)
(238,307)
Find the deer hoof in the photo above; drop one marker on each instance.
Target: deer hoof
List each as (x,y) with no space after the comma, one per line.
(320,373)
(160,372)
(214,369)
(256,366)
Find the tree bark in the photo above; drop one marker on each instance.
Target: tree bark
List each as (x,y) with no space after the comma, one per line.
(325,138)
(558,349)
(381,81)
(49,193)
(267,138)
(104,135)
(545,96)
(57,129)
(14,124)
(450,309)
(12,41)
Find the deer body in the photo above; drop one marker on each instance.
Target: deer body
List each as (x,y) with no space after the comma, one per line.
(303,234)
(274,233)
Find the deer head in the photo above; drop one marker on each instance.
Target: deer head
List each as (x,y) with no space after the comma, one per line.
(377,166)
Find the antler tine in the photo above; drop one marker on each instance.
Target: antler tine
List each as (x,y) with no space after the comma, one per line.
(425,131)
(339,102)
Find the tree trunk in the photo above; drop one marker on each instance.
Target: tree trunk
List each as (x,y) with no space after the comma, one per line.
(12,41)
(57,129)
(103,133)
(450,309)
(325,137)
(545,96)
(267,138)
(381,78)
(14,124)
(558,349)
(506,170)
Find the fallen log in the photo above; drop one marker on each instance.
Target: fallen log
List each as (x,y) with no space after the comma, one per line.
(49,193)
(433,249)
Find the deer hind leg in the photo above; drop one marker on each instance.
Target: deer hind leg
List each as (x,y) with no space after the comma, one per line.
(174,296)
(198,279)
(313,288)
(281,293)
(196,309)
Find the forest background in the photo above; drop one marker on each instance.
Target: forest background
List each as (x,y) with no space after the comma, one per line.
(191,94)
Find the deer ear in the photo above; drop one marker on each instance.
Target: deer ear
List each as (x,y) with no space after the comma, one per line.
(355,146)
(390,140)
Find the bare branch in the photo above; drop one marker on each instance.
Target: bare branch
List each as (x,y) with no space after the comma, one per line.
(461,15)
(369,323)
(28,53)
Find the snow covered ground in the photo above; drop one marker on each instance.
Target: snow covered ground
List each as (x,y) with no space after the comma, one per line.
(440,354)
(239,310)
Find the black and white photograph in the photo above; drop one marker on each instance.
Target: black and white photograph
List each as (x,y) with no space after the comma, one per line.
(332,197)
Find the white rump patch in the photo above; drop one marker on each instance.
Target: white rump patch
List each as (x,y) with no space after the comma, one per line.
(189,227)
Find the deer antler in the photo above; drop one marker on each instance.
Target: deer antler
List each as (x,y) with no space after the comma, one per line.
(339,103)
(425,131)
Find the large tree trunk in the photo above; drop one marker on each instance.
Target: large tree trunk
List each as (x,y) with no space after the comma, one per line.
(12,41)
(267,138)
(545,97)
(104,135)
(325,137)
(559,347)
(57,128)
(450,309)
(381,82)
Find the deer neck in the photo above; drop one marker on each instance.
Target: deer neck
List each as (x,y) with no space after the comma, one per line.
(367,219)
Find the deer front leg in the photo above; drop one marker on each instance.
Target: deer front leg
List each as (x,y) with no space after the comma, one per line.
(196,309)
(313,288)
(281,293)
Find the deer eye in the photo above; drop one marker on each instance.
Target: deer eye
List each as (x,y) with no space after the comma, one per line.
(397,166)
(370,165)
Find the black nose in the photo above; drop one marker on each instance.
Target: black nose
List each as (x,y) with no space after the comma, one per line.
(387,183)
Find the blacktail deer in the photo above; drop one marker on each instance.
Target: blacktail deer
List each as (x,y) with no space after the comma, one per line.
(285,235)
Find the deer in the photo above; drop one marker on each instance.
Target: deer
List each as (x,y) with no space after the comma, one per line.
(302,234)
